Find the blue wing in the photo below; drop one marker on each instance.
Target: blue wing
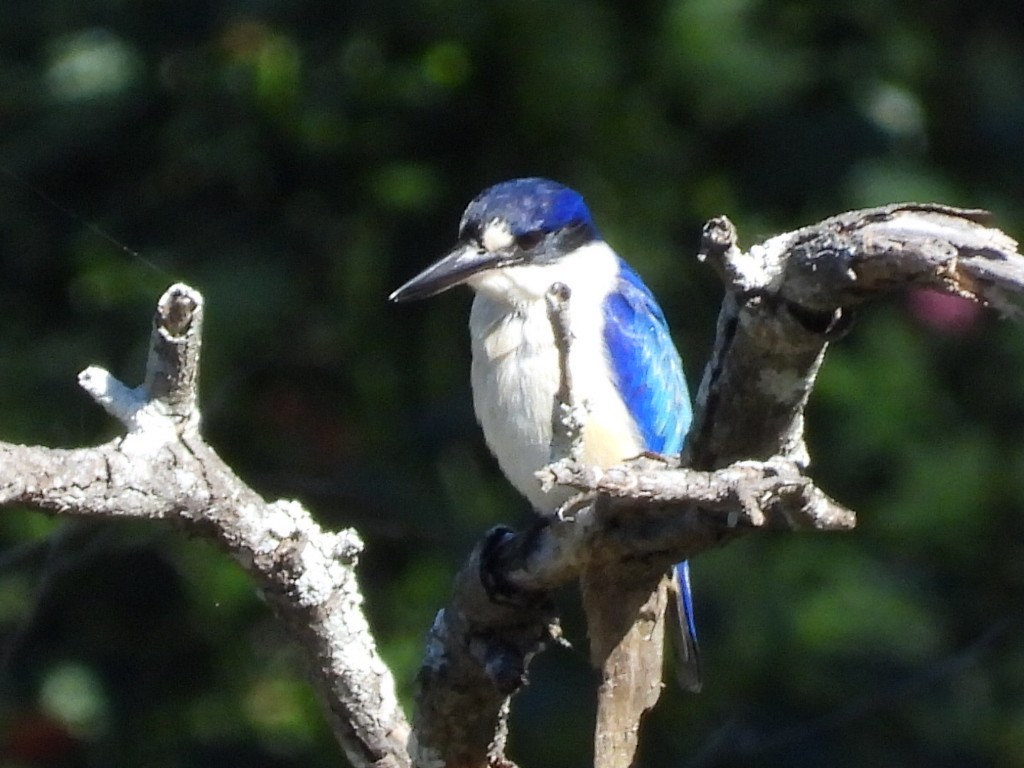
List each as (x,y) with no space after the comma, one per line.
(647,368)
(649,377)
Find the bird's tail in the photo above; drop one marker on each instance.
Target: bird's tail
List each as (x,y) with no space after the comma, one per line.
(686,651)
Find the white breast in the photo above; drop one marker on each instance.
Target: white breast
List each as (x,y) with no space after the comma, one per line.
(515,371)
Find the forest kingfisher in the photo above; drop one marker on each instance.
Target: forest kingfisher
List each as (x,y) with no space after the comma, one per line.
(516,239)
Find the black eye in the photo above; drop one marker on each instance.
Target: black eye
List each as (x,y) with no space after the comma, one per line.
(470,232)
(529,240)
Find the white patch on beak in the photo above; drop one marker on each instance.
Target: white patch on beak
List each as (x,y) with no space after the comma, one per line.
(496,236)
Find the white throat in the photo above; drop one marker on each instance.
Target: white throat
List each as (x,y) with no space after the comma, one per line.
(516,367)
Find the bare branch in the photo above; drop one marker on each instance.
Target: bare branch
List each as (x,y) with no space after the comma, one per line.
(172,371)
(789,296)
(568,415)
(163,470)
(477,654)
(647,516)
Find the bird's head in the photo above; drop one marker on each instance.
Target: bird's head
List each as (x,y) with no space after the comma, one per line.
(512,238)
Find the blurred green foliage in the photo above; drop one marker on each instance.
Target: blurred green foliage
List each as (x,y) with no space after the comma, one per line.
(296,161)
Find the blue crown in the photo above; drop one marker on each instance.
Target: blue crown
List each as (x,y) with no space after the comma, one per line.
(527,206)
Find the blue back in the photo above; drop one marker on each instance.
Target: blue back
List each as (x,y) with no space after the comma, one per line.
(648,371)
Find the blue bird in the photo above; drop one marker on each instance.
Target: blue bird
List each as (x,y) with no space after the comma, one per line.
(516,239)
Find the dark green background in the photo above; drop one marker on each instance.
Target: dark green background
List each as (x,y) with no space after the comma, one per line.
(296,161)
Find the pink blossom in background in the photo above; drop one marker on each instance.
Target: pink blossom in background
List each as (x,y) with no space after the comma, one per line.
(943,313)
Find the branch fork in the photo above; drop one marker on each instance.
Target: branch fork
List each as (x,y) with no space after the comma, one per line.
(163,469)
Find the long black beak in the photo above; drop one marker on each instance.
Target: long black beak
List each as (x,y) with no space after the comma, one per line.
(454,269)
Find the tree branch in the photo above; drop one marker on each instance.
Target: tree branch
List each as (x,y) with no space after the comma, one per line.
(789,296)
(163,470)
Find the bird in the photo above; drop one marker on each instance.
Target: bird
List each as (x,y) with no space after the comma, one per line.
(516,240)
